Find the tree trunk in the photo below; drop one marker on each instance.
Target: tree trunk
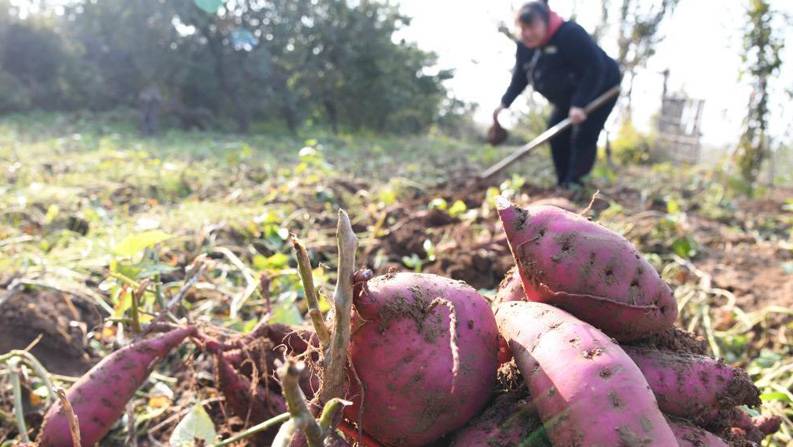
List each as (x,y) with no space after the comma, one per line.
(333,115)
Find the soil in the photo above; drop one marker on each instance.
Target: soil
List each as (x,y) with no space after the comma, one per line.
(61,319)
(752,271)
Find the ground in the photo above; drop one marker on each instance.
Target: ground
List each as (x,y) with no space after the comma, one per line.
(90,210)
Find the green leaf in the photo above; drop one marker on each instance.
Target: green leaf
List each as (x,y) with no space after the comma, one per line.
(413,262)
(775,396)
(150,269)
(286,313)
(672,207)
(429,247)
(388,196)
(439,203)
(517,181)
(136,243)
(123,302)
(52,213)
(458,207)
(277,261)
(767,359)
(324,303)
(684,247)
(246,151)
(196,425)
(210,6)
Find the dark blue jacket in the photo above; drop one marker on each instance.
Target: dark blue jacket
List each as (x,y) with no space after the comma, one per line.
(569,71)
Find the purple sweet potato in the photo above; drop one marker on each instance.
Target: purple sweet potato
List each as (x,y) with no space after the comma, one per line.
(257,360)
(510,289)
(689,435)
(295,339)
(747,430)
(511,421)
(252,404)
(424,348)
(100,396)
(587,391)
(768,425)
(588,270)
(691,386)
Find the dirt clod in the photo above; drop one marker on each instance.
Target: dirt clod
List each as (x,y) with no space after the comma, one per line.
(61,319)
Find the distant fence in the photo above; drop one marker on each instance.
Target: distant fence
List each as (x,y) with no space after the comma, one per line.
(679,133)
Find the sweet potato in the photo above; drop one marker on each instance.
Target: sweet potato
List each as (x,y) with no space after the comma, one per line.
(689,435)
(510,289)
(748,429)
(424,348)
(690,386)
(587,270)
(511,421)
(295,339)
(586,389)
(251,404)
(100,396)
(261,358)
(768,425)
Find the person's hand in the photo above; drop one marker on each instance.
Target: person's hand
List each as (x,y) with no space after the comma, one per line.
(496,112)
(577,115)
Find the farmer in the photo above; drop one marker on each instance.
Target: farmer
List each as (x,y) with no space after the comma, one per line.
(569,69)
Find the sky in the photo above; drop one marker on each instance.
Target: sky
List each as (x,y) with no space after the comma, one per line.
(702,48)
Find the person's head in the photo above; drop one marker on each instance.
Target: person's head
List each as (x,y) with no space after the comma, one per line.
(532,22)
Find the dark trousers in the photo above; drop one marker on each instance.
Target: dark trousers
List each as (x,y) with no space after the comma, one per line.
(574,151)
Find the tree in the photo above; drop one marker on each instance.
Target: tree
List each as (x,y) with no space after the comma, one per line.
(639,23)
(762,60)
(243,61)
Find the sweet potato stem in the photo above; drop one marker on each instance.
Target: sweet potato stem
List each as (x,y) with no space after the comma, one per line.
(19,412)
(137,294)
(336,357)
(285,434)
(198,267)
(74,423)
(329,412)
(296,403)
(31,361)
(306,276)
(262,426)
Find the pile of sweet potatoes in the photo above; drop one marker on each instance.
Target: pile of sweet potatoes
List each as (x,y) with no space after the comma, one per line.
(566,355)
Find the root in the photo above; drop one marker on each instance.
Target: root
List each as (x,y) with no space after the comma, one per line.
(588,208)
(453,342)
(362,398)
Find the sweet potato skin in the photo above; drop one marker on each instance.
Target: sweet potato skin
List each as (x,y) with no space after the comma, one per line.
(252,404)
(586,389)
(510,289)
(692,436)
(100,396)
(588,270)
(511,421)
(692,386)
(686,385)
(425,369)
